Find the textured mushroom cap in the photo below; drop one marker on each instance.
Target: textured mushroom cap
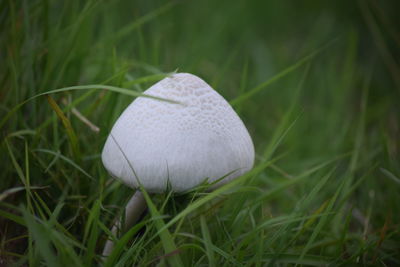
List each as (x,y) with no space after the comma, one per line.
(178,145)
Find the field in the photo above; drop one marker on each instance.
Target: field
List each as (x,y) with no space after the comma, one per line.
(317,84)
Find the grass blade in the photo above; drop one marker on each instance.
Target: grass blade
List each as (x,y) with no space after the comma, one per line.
(69,161)
(207,241)
(280,75)
(67,125)
(84,87)
(41,238)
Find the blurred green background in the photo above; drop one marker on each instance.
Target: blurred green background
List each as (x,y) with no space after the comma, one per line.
(317,84)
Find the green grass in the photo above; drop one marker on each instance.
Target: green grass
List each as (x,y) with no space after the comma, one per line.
(317,85)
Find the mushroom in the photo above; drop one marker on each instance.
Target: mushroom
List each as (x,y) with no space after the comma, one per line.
(161,145)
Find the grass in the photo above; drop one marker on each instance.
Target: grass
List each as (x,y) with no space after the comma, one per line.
(317,85)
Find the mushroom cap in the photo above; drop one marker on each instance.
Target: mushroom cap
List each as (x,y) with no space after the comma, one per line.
(178,146)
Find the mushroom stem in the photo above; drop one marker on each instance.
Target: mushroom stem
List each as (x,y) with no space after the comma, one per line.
(134,208)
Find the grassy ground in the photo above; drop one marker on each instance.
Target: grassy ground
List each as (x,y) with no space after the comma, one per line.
(317,85)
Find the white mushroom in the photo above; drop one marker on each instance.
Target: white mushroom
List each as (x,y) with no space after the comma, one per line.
(177,146)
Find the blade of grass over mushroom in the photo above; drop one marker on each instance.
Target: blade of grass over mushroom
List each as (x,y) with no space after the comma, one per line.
(84,87)
(280,75)
(84,96)
(67,125)
(108,88)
